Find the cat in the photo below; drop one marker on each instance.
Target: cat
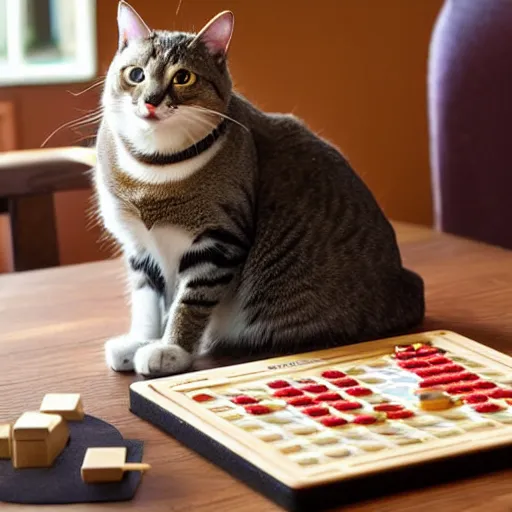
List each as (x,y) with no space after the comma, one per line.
(242,231)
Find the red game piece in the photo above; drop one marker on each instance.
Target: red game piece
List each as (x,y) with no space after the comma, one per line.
(484,384)
(365,419)
(202,397)
(315,388)
(487,407)
(475,398)
(388,407)
(345,383)
(413,363)
(427,351)
(333,421)
(456,389)
(468,376)
(399,415)
(333,374)
(405,355)
(244,400)
(327,397)
(288,392)
(315,411)
(501,393)
(346,405)
(300,400)
(258,409)
(276,384)
(437,360)
(358,391)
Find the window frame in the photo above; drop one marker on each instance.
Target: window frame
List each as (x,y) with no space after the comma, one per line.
(17,71)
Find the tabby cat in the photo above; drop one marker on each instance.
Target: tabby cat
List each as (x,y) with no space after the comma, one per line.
(241,230)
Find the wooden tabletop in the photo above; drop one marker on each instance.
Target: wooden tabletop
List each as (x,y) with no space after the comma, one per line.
(54,323)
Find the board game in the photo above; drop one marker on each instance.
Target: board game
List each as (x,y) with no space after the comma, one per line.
(315,430)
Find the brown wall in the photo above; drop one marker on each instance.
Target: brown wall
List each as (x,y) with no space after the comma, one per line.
(355,70)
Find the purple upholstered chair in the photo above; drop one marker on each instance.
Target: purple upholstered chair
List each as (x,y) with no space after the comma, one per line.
(470,113)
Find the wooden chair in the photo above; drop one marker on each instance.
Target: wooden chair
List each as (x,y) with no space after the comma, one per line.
(28,180)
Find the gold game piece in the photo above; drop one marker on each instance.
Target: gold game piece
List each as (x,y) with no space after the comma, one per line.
(435,400)
(5,441)
(68,405)
(37,439)
(107,465)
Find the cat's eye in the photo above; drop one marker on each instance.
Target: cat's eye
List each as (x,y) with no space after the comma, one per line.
(183,77)
(134,75)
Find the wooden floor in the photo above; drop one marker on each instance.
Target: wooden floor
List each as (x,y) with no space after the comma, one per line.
(54,324)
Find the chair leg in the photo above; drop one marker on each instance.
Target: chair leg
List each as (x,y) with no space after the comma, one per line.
(33,232)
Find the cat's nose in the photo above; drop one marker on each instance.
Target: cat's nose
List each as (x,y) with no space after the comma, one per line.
(155,99)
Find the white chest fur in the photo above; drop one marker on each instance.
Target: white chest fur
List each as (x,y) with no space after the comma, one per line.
(166,244)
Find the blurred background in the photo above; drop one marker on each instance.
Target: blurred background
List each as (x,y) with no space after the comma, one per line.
(354,70)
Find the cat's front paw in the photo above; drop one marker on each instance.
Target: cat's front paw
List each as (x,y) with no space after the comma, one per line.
(120,352)
(158,360)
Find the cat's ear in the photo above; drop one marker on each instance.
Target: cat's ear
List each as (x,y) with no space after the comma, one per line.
(130,25)
(216,35)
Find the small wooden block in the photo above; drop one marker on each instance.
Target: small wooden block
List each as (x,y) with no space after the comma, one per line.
(107,465)
(68,405)
(37,439)
(5,441)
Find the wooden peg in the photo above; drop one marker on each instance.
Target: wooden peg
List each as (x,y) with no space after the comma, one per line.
(108,465)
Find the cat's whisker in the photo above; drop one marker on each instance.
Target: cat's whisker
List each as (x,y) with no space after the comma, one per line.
(204,109)
(101,81)
(201,121)
(190,137)
(89,118)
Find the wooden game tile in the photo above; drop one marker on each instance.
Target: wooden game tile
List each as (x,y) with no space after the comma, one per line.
(345,382)
(372,379)
(337,452)
(471,425)
(324,439)
(220,408)
(355,371)
(306,459)
(288,392)
(423,420)
(248,425)
(503,416)
(376,399)
(279,418)
(358,391)
(457,414)
(289,447)
(483,384)
(371,446)
(475,398)
(231,415)
(407,440)
(268,436)
(377,363)
(302,429)
(444,431)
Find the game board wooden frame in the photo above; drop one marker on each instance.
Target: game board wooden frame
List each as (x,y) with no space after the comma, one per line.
(161,402)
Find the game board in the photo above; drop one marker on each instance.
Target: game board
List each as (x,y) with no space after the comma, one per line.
(319,429)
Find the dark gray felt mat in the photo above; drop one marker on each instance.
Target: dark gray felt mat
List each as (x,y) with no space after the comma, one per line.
(62,482)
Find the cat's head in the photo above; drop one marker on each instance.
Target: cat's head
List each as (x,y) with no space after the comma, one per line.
(161,82)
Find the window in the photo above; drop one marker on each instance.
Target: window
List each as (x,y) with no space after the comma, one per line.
(47,41)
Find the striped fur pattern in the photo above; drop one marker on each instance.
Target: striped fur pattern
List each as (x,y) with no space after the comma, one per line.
(263,240)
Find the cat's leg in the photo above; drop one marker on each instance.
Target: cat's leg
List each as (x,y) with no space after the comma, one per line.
(146,319)
(205,277)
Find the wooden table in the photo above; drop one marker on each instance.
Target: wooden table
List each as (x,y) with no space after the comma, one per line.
(54,323)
